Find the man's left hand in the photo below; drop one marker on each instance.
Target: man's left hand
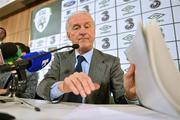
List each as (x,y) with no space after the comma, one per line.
(129,83)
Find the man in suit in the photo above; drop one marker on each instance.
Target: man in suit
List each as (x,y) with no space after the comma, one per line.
(101,73)
(2,34)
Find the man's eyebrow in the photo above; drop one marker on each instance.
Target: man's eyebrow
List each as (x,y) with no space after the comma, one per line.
(76,25)
(80,25)
(88,22)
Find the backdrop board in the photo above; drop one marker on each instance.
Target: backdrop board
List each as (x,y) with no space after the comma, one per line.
(116,23)
(45,29)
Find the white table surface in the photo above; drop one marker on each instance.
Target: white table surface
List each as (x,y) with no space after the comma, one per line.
(58,111)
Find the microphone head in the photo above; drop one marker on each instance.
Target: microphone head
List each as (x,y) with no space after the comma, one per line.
(8,50)
(75,46)
(37,60)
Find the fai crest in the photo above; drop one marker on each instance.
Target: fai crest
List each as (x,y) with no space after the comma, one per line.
(41,19)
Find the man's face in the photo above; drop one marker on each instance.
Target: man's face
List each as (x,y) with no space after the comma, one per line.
(81,30)
(2,34)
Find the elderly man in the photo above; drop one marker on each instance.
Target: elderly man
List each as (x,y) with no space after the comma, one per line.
(2,34)
(86,74)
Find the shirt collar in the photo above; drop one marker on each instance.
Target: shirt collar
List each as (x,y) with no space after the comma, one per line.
(87,55)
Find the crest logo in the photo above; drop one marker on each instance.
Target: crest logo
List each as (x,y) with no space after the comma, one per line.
(105,28)
(127,39)
(41,19)
(157,16)
(128,9)
(103,3)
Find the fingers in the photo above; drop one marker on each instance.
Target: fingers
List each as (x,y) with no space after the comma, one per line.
(97,86)
(131,70)
(85,82)
(131,94)
(129,77)
(129,82)
(69,83)
(3,91)
(79,83)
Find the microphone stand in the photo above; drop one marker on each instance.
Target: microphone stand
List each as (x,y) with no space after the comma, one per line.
(26,62)
(18,74)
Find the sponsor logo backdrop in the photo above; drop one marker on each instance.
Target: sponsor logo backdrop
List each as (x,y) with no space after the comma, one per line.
(116,22)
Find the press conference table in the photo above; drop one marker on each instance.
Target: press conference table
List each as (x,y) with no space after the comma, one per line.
(75,111)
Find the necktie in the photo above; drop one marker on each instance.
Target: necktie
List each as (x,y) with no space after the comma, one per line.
(78,68)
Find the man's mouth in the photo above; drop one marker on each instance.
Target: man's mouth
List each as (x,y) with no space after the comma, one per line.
(82,38)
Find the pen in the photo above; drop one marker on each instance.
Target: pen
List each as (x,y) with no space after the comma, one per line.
(83,100)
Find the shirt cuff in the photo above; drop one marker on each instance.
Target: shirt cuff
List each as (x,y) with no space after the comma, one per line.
(133,101)
(55,92)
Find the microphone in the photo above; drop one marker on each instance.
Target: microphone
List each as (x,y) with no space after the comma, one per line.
(74,46)
(8,49)
(33,61)
(39,60)
(37,63)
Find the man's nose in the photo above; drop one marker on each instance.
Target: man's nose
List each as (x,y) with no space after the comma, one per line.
(82,34)
(82,31)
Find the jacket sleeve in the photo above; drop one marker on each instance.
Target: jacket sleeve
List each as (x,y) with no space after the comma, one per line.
(52,76)
(117,82)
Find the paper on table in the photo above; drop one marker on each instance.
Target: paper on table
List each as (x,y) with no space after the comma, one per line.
(152,71)
(92,112)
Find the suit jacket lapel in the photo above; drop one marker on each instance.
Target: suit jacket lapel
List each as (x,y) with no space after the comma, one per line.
(68,62)
(97,67)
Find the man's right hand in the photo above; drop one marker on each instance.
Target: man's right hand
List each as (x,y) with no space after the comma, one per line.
(3,91)
(78,83)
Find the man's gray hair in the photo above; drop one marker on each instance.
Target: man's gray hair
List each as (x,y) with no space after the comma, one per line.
(75,13)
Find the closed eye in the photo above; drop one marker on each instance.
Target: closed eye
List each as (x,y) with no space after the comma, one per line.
(76,27)
(87,25)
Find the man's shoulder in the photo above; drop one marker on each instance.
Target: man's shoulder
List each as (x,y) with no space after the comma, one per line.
(105,55)
(64,54)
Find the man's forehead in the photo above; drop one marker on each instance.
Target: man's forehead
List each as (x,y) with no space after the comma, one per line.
(80,22)
(80,17)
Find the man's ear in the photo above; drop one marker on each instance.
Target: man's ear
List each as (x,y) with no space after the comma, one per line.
(68,35)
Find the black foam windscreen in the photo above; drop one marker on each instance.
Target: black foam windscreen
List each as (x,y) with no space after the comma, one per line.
(8,50)
(75,46)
